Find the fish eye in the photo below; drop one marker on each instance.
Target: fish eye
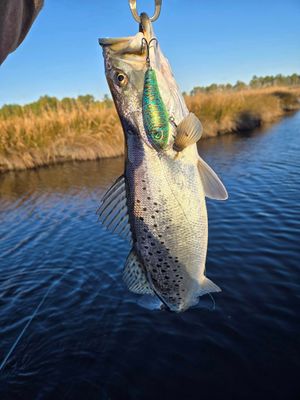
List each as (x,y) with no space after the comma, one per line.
(121,78)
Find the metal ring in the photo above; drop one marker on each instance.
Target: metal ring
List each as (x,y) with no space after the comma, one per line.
(132,5)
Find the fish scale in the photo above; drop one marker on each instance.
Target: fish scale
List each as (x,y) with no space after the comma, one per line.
(165,244)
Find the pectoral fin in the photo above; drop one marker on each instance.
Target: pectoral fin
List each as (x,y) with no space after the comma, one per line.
(189,131)
(135,277)
(212,185)
(113,212)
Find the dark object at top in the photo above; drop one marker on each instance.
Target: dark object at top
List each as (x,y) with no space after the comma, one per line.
(16,18)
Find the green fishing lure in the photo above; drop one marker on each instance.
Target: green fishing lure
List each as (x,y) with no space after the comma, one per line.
(155,115)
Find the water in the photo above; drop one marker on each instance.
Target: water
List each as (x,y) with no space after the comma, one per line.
(92,339)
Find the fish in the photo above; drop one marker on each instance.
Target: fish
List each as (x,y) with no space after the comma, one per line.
(159,203)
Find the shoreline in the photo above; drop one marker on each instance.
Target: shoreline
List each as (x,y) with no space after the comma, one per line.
(220,114)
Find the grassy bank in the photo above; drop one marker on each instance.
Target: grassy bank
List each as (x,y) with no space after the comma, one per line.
(226,112)
(53,131)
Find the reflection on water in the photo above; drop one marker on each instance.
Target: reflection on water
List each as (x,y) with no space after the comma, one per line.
(93,339)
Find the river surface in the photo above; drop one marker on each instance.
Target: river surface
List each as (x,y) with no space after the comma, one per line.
(70,330)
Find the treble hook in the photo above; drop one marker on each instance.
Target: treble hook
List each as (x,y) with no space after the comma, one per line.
(148,49)
(132,5)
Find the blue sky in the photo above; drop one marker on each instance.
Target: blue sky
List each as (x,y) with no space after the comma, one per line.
(205,40)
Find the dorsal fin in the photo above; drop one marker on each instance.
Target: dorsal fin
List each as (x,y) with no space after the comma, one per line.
(113,212)
(134,275)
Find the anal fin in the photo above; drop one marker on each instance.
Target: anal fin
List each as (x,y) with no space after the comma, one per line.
(207,286)
(135,277)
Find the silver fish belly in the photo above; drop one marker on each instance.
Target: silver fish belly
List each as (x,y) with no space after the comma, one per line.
(169,220)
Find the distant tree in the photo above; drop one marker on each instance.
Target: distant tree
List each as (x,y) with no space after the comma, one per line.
(211,88)
(196,90)
(240,85)
(86,100)
(8,110)
(107,101)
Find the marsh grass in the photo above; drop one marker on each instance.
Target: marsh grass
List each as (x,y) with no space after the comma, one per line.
(53,135)
(32,137)
(225,112)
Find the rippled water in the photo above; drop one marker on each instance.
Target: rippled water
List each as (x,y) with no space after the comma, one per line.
(92,339)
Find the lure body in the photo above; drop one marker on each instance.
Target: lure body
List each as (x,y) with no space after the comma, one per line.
(155,115)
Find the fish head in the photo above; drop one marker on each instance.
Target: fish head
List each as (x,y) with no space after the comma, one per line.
(125,69)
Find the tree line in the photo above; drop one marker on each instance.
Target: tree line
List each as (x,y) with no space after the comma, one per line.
(257,82)
(45,103)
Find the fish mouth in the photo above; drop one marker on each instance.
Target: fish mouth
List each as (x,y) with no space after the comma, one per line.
(145,31)
(110,41)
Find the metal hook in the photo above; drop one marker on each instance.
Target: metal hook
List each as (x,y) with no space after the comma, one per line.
(148,48)
(132,5)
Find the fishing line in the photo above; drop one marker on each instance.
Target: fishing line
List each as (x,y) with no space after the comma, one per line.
(213,300)
(4,362)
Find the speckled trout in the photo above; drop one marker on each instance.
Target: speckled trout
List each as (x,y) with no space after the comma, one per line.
(159,202)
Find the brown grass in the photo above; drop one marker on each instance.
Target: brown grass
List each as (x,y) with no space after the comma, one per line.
(225,112)
(82,133)
(30,139)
